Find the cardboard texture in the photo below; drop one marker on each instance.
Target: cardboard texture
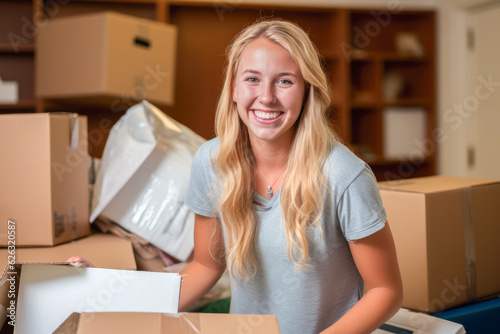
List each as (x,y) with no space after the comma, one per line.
(48,294)
(155,323)
(446,231)
(103,250)
(44,179)
(107,58)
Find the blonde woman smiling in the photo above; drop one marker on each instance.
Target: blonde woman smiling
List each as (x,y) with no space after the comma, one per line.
(293,215)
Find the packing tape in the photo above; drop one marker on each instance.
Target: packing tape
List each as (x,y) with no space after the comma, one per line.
(470,243)
(75,128)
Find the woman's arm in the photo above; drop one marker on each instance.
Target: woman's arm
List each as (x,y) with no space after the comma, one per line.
(375,258)
(208,263)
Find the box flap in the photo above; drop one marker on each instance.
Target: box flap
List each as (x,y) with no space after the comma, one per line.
(48,294)
(111,322)
(215,323)
(157,323)
(103,250)
(433,184)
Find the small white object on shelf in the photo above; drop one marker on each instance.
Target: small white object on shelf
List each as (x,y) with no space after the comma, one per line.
(9,92)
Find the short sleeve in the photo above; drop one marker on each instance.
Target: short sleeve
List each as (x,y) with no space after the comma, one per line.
(200,197)
(360,210)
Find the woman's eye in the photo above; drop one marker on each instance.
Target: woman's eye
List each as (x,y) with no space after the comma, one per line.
(285,82)
(252,80)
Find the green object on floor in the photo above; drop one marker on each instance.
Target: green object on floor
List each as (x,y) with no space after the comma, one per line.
(219,306)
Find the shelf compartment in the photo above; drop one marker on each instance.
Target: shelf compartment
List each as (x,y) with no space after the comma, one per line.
(416,81)
(19,68)
(364,83)
(366,133)
(17,26)
(377,30)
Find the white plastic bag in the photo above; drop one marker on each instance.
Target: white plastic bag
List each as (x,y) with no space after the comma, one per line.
(143,179)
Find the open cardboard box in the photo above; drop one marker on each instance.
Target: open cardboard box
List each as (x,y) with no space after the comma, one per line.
(103,250)
(404,321)
(446,231)
(49,293)
(157,323)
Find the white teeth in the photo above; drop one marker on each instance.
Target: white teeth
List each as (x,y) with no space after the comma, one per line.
(266,115)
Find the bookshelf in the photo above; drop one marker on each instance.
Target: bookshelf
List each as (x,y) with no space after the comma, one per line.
(361,48)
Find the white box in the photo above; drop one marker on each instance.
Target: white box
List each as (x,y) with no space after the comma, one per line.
(406,321)
(405,131)
(9,92)
(48,294)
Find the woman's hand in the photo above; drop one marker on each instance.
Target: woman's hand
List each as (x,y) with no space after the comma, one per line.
(80,262)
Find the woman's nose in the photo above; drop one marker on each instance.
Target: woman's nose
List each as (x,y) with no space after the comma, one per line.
(266,95)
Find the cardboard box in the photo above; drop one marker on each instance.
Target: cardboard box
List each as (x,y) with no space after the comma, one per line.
(103,250)
(407,322)
(405,132)
(48,294)
(44,198)
(182,323)
(106,58)
(404,321)
(446,231)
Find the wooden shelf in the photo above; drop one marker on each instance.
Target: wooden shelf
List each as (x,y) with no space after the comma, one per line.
(7,48)
(21,105)
(355,67)
(360,55)
(407,102)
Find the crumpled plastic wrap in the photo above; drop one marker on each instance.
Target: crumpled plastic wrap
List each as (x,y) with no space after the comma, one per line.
(143,179)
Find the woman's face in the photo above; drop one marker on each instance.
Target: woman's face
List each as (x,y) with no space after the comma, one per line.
(268,89)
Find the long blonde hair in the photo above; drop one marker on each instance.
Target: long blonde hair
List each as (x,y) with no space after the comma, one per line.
(300,195)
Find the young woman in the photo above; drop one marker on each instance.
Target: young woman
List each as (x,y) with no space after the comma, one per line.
(293,215)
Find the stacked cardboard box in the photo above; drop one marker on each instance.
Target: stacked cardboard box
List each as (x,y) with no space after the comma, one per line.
(446,231)
(118,60)
(43,178)
(44,210)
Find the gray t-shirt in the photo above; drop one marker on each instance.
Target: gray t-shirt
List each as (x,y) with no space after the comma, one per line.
(308,300)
